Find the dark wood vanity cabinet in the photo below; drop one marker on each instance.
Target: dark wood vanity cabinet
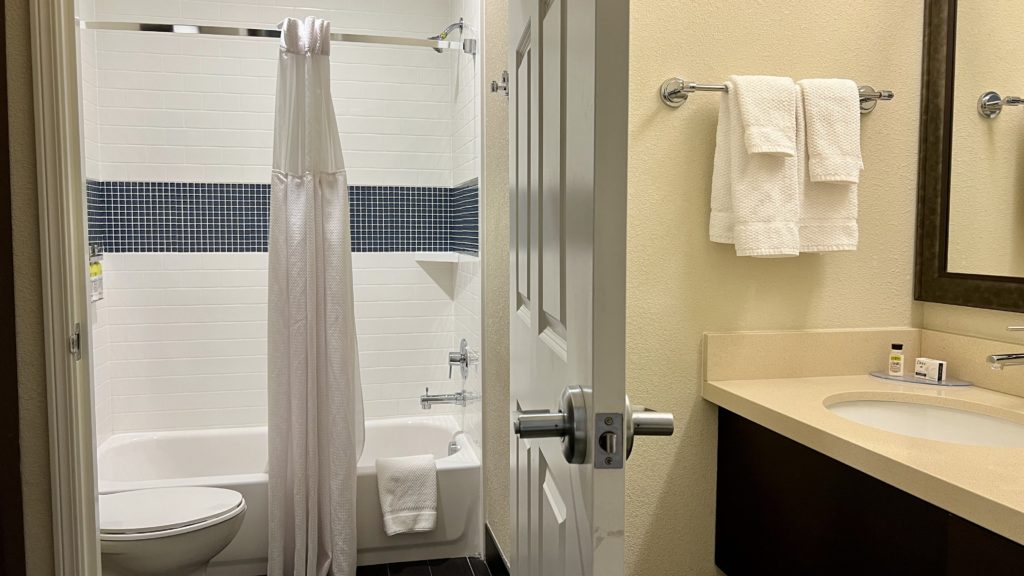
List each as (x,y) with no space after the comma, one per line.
(784,508)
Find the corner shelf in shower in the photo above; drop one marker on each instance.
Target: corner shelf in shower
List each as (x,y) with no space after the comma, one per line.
(452,257)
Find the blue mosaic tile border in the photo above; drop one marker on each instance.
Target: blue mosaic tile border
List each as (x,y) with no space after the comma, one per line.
(397,219)
(464,224)
(95,208)
(213,217)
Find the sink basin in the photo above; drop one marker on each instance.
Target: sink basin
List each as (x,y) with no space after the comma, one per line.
(932,422)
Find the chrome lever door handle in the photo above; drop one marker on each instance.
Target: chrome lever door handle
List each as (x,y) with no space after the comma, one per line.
(542,425)
(569,424)
(650,423)
(643,421)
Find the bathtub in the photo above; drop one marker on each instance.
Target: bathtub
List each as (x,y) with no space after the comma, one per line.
(236,458)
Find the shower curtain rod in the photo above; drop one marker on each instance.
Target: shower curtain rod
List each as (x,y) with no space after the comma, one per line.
(468,46)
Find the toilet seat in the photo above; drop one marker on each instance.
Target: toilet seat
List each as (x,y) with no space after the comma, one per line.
(162,512)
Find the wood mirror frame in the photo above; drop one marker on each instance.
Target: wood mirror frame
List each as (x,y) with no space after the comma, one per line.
(933,283)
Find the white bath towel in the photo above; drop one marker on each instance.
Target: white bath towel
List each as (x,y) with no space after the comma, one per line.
(828,210)
(766,106)
(408,493)
(832,115)
(755,198)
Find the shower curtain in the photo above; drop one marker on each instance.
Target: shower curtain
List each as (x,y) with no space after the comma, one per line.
(316,409)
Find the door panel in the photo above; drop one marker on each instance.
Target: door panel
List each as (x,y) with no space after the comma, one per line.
(522,173)
(567,273)
(552,240)
(553,523)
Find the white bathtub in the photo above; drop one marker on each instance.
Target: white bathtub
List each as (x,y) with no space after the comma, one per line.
(236,458)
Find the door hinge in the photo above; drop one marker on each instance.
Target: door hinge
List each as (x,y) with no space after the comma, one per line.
(75,342)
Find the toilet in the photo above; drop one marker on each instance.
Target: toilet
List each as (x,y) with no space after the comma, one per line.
(167,531)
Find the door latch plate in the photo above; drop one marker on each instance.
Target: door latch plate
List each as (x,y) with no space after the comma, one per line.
(609,451)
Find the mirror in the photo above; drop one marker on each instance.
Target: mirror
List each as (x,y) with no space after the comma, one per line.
(970,245)
(986,187)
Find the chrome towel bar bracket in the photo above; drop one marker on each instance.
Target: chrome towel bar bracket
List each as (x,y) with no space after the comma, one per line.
(675,91)
(991,104)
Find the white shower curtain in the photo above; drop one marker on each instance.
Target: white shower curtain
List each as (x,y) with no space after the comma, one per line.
(316,408)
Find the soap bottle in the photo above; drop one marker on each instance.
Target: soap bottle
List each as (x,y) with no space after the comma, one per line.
(896,360)
(95,272)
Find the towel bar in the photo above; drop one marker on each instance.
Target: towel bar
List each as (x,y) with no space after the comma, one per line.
(675,91)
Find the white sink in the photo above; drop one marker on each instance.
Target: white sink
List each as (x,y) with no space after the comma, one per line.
(932,422)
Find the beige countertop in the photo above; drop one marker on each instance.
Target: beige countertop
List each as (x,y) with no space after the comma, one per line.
(982,484)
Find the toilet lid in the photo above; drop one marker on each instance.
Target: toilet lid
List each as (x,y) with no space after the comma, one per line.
(158,509)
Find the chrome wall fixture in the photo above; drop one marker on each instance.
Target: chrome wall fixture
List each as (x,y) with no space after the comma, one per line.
(460,398)
(614,432)
(463,359)
(501,87)
(468,44)
(675,91)
(991,104)
(437,43)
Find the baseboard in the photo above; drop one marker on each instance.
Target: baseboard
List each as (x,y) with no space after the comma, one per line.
(496,562)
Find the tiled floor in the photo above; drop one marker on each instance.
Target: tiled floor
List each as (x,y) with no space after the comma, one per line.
(447,567)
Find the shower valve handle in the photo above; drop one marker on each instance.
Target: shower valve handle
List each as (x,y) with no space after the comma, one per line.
(455,359)
(460,359)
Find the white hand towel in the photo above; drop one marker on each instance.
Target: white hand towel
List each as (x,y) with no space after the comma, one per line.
(828,210)
(766,105)
(755,198)
(408,493)
(727,133)
(832,113)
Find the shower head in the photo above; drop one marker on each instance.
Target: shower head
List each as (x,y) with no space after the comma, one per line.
(460,25)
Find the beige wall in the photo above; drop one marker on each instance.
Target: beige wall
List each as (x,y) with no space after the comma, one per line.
(680,285)
(35,459)
(986,207)
(977,322)
(494,241)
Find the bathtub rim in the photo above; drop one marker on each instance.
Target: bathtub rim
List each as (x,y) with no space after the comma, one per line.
(466,458)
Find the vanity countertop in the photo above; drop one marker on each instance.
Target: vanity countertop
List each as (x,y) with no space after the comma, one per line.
(982,484)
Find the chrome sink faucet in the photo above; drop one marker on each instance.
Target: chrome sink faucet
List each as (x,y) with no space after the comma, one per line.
(999,361)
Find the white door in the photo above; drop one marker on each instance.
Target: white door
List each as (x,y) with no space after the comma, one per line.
(568,69)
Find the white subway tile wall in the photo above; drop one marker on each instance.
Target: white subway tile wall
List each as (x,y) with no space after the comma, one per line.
(100,347)
(187,337)
(90,97)
(90,140)
(465,146)
(465,118)
(201,109)
(180,340)
(468,325)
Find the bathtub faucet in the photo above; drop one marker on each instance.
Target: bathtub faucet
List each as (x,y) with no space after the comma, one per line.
(428,400)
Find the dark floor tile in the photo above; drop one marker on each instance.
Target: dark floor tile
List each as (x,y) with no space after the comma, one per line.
(409,569)
(377,570)
(479,567)
(451,567)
